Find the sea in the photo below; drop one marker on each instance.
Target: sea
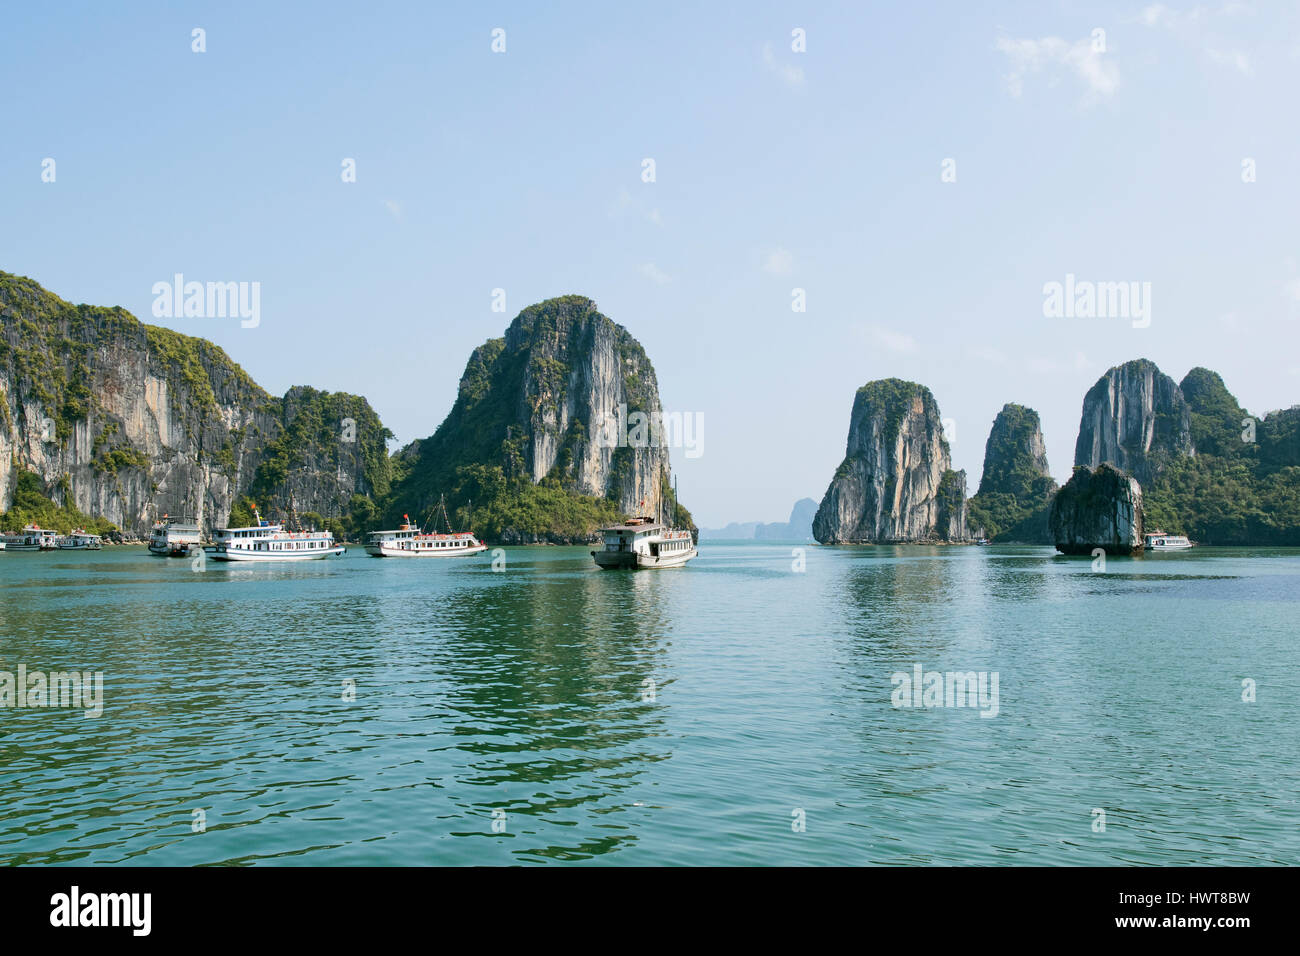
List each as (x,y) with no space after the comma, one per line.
(768,704)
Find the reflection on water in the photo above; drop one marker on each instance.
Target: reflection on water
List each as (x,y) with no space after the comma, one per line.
(391,712)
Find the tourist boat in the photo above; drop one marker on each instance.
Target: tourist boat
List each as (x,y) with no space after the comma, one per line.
(644,543)
(79,539)
(32,538)
(172,537)
(265,541)
(408,541)
(1160,541)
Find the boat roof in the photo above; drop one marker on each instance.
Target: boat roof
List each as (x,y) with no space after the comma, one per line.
(636,526)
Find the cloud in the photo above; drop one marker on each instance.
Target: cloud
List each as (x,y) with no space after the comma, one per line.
(779,262)
(653,273)
(890,340)
(792,76)
(1234,58)
(625,203)
(394,208)
(1195,26)
(1099,74)
(1293,290)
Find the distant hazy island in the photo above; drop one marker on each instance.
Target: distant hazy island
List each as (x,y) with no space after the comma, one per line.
(798,528)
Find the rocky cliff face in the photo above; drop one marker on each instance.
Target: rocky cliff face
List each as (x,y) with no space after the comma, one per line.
(127,421)
(1015,455)
(1016,486)
(1098,508)
(567,404)
(888,488)
(1135,418)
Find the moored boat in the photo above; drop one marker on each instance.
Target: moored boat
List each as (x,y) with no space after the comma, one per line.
(1161,541)
(79,539)
(32,538)
(266,541)
(173,537)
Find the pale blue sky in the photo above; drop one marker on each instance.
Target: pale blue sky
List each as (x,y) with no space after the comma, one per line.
(775,169)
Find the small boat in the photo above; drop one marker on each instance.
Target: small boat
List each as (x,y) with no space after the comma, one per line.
(1160,541)
(174,537)
(265,541)
(408,541)
(79,539)
(32,538)
(982,542)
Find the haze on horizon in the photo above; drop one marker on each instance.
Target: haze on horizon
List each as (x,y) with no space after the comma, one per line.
(1169,156)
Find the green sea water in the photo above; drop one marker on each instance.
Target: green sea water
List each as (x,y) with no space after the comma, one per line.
(736,711)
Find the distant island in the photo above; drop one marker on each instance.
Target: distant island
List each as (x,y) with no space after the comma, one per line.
(798,528)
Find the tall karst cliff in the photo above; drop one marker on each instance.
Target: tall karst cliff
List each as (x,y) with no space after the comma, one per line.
(1016,487)
(896,483)
(554,431)
(1136,419)
(1242,486)
(126,421)
(1207,467)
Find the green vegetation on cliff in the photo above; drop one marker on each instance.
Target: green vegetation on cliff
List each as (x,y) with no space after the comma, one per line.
(1243,484)
(32,505)
(323,434)
(511,392)
(1015,490)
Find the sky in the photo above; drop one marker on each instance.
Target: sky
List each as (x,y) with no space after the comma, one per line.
(921,171)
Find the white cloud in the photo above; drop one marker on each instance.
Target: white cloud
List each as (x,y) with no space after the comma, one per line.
(1098,72)
(792,76)
(625,203)
(394,208)
(1194,26)
(892,341)
(1234,58)
(779,262)
(653,273)
(1293,290)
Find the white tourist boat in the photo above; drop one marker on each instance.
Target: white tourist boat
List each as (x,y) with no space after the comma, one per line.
(173,537)
(642,544)
(265,541)
(408,541)
(1160,541)
(79,539)
(32,538)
